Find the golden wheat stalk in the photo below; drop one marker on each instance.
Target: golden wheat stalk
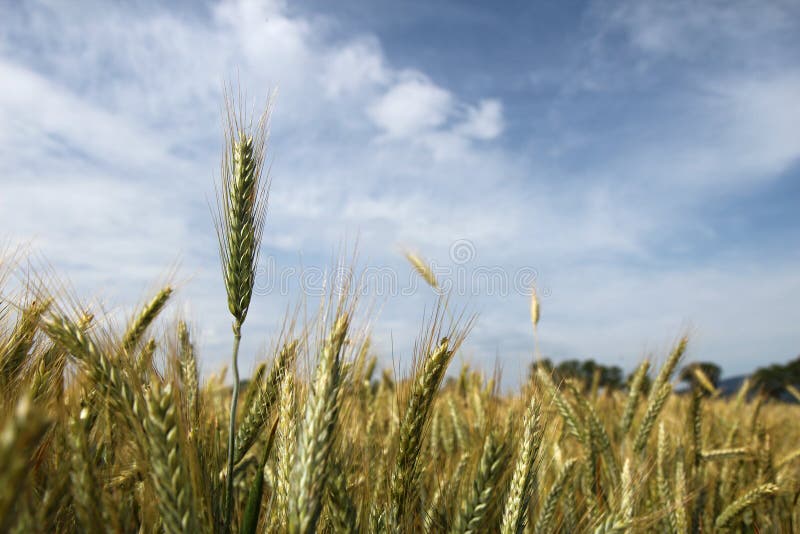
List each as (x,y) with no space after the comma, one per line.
(311,469)
(415,417)
(544,525)
(515,514)
(84,488)
(168,474)
(475,508)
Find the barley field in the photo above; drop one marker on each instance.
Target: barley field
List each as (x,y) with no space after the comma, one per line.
(111,427)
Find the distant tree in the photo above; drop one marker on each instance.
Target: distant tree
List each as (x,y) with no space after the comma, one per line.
(773,379)
(581,370)
(544,363)
(612,377)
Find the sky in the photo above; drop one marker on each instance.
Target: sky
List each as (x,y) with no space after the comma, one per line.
(637,161)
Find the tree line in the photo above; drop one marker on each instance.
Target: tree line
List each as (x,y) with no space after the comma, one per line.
(770,380)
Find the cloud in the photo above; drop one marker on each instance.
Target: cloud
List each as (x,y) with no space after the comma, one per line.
(411,107)
(684,29)
(484,121)
(358,65)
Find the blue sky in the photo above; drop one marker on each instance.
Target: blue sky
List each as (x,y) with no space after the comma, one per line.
(641,158)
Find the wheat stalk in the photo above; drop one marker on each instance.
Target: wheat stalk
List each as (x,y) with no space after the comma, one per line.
(650,416)
(426,384)
(241,212)
(266,396)
(515,513)
(544,525)
(475,508)
(311,469)
(168,475)
(633,396)
(84,489)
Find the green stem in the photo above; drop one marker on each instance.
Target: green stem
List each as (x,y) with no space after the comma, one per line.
(237,337)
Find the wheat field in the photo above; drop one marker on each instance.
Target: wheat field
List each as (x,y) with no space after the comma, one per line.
(111,427)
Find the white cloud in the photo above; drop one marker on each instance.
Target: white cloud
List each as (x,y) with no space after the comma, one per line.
(684,29)
(412,107)
(484,121)
(44,117)
(353,68)
(762,126)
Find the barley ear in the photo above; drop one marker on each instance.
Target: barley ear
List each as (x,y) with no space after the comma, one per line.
(662,482)
(107,376)
(681,519)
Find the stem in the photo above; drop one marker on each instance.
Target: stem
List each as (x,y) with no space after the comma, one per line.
(237,337)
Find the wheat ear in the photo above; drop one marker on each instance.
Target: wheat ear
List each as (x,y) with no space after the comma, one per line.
(15,351)
(735,509)
(633,397)
(106,375)
(426,384)
(515,514)
(84,490)
(287,442)
(544,523)
(650,416)
(144,319)
(422,268)
(259,410)
(475,508)
(311,469)
(168,475)
(190,377)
